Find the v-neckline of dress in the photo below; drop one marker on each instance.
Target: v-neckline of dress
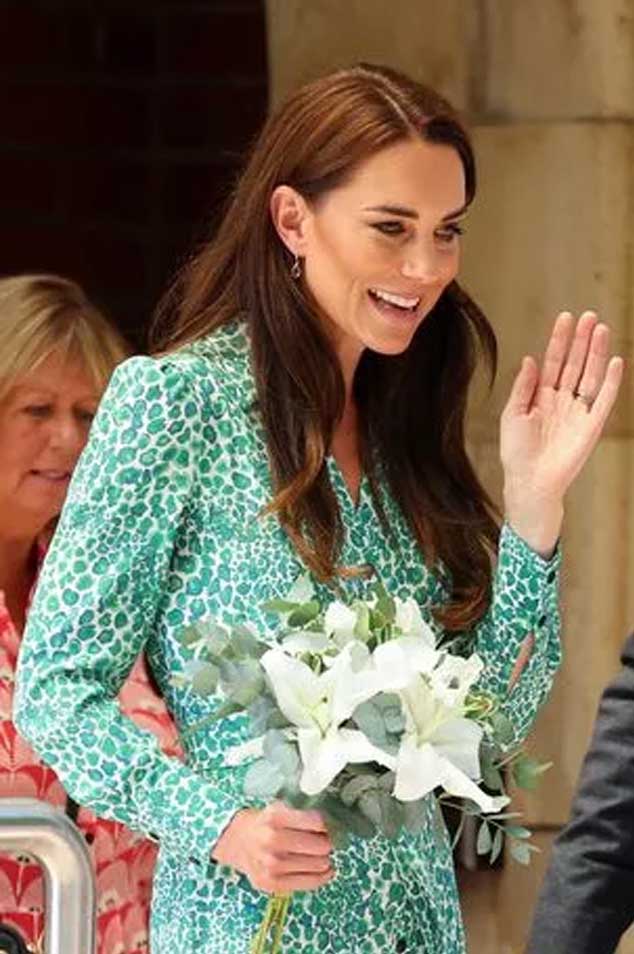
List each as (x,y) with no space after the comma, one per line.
(341,488)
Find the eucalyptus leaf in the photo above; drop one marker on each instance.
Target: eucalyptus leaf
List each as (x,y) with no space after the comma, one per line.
(459,830)
(214,636)
(304,614)
(244,643)
(189,636)
(503,729)
(381,719)
(205,680)
(498,842)
(484,841)
(350,819)
(415,816)
(262,780)
(520,852)
(283,755)
(385,604)
(242,681)
(517,831)
(527,771)
(264,715)
(352,790)
(383,810)
(387,781)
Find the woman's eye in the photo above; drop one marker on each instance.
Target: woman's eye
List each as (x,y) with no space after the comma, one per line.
(86,417)
(450,233)
(389,228)
(37,410)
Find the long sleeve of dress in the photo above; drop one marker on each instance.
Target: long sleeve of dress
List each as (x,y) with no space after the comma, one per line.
(98,597)
(525,604)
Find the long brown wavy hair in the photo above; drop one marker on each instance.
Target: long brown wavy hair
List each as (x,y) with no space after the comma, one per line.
(411,407)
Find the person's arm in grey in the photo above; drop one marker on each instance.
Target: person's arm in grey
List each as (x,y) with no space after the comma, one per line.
(587,899)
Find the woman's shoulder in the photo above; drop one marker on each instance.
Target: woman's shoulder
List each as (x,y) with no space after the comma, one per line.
(213,369)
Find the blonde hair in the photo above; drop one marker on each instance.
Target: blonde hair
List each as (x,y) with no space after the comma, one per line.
(42,314)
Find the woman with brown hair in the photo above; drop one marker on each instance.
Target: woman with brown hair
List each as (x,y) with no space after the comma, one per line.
(307,411)
(57,353)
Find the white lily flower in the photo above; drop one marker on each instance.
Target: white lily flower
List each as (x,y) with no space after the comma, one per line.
(440,748)
(304,641)
(399,659)
(318,705)
(453,678)
(411,623)
(340,622)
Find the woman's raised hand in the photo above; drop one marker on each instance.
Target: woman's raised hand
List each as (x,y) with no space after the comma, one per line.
(279,849)
(552,422)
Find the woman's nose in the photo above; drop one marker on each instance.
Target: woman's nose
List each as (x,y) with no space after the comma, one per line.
(424,263)
(67,435)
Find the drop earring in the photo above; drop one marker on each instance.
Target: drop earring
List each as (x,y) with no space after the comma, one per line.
(296,268)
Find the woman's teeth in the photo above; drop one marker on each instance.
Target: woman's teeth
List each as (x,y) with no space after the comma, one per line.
(399,301)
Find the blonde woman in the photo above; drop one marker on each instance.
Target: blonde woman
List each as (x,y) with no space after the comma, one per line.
(57,353)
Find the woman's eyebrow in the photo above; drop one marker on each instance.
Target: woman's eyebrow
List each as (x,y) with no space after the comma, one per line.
(393,210)
(407,213)
(456,213)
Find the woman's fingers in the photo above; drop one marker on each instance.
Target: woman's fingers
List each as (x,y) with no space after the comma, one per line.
(596,363)
(608,392)
(290,841)
(557,350)
(303,864)
(281,816)
(524,386)
(575,363)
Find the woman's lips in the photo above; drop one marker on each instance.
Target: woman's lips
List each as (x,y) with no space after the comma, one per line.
(55,477)
(390,310)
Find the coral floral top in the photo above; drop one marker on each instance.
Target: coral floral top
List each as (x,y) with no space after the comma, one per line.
(123,861)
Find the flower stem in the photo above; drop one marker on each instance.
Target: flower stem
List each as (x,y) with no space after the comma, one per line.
(272,923)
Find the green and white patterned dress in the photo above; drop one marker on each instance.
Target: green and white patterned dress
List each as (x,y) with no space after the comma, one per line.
(161,528)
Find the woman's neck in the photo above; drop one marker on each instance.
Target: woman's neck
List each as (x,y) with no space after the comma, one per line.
(17,574)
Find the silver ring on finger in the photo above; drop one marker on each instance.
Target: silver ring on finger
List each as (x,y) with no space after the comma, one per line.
(586,398)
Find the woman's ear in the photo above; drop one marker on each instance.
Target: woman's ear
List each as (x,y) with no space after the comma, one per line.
(290,215)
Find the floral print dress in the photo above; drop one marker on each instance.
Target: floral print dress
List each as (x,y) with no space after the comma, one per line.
(163,526)
(124,861)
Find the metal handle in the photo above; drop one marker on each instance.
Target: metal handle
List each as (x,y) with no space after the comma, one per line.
(35,827)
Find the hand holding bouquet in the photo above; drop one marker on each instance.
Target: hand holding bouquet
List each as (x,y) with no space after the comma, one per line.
(356,712)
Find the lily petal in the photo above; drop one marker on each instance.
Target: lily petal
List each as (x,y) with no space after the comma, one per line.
(399,659)
(339,622)
(411,623)
(298,690)
(421,769)
(304,641)
(323,757)
(458,740)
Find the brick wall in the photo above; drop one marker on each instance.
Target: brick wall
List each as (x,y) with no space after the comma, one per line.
(121,127)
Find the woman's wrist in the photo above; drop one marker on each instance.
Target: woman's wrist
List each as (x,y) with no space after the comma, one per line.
(536,519)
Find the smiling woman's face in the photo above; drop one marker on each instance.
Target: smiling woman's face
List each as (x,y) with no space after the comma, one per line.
(44,424)
(380,249)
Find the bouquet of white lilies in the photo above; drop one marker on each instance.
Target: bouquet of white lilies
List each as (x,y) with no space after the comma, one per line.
(356,711)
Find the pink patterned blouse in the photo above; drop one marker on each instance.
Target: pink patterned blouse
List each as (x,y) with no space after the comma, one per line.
(123,861)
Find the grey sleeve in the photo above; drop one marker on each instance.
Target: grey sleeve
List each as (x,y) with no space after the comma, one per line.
(587,899)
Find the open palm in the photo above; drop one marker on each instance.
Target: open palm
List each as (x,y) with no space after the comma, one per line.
(554,416)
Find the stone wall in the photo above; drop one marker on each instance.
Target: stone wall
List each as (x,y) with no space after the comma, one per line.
(548,89)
